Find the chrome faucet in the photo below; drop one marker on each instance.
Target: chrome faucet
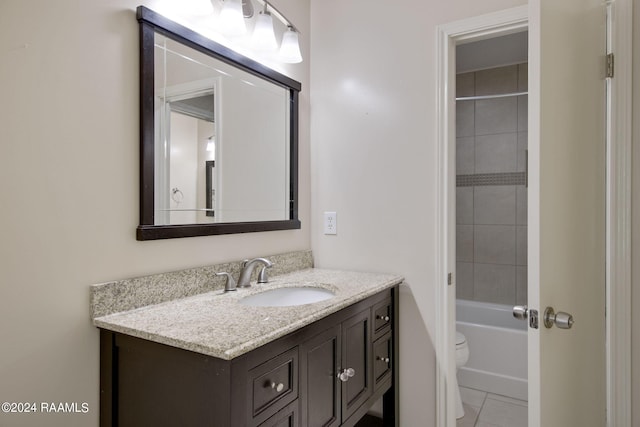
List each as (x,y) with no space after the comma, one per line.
(247,270)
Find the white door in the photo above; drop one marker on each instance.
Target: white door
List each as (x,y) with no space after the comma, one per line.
(567,376)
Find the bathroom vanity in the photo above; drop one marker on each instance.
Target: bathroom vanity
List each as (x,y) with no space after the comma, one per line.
(176,350)
(210,360)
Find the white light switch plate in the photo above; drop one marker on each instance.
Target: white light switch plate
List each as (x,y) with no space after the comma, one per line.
(330,223)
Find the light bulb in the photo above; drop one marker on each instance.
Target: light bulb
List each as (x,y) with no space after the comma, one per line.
(290,48)
(263,36)
(232,19)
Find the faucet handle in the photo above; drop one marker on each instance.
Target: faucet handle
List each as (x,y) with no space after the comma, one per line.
(263,277)
(230,284)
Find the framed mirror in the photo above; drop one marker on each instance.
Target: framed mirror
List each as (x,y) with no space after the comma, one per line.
(218,137)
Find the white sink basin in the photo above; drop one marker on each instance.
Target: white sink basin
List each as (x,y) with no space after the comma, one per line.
(283,297)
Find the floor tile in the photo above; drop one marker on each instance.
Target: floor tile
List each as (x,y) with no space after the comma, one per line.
(470,416)
(507,399)
(484,409)
(496,413)
(473,397)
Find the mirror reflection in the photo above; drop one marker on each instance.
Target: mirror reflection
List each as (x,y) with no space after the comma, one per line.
(222,141)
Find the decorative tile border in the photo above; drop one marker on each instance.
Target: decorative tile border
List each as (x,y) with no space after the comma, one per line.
(128,294)
(483,179)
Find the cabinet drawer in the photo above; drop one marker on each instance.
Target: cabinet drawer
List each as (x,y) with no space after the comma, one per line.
(382,359)
(287,417)
(273,384)
(382,318)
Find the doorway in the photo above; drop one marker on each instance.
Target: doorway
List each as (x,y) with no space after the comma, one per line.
(573,283)
(491,228)
(478,29)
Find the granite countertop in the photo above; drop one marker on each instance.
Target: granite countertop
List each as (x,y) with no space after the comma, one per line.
(215,324)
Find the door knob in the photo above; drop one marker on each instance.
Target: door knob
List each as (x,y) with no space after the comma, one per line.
(523,312)
(520,312)
(560,319)
(346,374)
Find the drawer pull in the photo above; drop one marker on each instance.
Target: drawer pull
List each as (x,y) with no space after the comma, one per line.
(346,374)
(277,387)
(385,318)
(384,359)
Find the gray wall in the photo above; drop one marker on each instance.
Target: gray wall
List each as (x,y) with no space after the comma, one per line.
(491,201)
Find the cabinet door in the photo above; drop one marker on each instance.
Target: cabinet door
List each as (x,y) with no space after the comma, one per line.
(320,387)
(356,356)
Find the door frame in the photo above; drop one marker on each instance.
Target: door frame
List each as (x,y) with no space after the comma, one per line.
(618,220)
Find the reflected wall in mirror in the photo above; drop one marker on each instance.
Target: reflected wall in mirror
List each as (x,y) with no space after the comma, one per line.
(218,137)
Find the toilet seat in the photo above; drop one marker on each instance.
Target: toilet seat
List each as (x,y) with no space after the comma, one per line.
(460,338)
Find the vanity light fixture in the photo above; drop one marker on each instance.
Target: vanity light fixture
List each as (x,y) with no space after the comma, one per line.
(232,23)
(263,37)
(232,18)
(290,47)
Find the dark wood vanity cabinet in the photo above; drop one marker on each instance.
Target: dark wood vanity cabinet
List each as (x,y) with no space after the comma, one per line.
(293,381)
(345,367)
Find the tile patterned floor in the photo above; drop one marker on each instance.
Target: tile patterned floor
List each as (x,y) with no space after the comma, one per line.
(484,409)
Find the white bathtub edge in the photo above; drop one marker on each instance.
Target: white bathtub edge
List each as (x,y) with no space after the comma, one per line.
(493,383)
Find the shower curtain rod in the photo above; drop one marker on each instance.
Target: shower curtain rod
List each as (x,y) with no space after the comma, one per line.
(479,97)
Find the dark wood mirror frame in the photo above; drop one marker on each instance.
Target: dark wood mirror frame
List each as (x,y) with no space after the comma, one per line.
(150,24)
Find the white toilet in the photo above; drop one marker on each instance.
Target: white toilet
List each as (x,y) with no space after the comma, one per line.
(462,356)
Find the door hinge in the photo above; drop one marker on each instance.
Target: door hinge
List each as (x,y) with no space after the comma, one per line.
(609,65)
(450,279)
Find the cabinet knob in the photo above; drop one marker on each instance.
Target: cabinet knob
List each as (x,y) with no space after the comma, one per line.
(385,318)
(384,359)
(277,387)
(346,374)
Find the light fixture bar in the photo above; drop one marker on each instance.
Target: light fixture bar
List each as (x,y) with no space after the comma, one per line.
(263,37)
(275,12)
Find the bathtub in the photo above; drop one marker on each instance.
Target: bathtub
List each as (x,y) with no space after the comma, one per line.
(497,348)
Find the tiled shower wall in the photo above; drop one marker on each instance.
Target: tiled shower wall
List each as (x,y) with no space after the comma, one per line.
(491,207)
